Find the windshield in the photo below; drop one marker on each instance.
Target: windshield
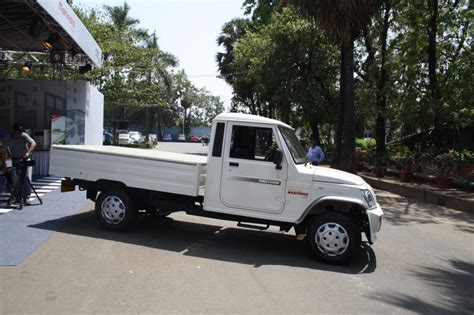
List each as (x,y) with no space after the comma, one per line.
(294,145)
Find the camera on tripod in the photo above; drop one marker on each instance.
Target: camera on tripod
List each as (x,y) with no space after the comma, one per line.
(19,189)
(22,164)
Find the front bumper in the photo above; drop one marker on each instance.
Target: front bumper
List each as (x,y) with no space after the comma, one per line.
(375,216)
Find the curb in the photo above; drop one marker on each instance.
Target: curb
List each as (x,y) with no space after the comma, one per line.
(389,199)
(426,195)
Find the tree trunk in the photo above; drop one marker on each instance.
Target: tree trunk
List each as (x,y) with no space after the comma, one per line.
(160,134)
(285,110)
(336,159)
(147,123)
(329,134)
(435,91)
(313,121)
(381,100)
(348,161)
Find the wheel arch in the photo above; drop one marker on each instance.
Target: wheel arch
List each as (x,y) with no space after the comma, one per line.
(104,184)
(101,185)
(332,203)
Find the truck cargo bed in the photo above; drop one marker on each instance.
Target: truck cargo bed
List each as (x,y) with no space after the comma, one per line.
(150,169)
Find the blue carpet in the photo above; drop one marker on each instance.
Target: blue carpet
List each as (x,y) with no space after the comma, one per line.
(18,237)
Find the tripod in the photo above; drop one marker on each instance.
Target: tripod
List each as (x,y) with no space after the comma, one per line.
(20,167)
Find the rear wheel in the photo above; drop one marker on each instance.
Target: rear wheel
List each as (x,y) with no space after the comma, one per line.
(115,210)
(334,237)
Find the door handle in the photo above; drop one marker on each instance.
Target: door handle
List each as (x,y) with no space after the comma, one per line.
(234,164)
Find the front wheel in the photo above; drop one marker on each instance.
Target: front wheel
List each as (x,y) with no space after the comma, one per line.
(115,210)
(334,237)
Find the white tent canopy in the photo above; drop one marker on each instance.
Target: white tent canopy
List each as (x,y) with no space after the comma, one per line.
(26,25)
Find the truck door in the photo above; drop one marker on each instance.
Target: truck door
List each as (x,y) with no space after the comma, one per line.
(250,180)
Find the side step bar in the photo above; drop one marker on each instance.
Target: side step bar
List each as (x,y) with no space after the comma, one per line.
(252,226)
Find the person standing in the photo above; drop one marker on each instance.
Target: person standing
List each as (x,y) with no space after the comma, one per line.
(315,154)
(3,179)
(19,145)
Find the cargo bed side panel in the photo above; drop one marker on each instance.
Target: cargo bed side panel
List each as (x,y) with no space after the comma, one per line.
(146,173)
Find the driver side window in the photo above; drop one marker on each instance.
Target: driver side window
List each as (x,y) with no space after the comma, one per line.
(252,143)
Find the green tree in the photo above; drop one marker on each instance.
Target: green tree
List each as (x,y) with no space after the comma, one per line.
(432,45)
(373,74)
(342,20)
(207,107)
(243,89)
(136,77)
(292,67)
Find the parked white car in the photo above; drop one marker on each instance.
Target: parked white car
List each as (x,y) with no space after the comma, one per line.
(135,136)
(124,138)
(153,137)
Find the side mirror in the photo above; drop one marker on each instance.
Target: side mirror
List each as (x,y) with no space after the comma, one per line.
(277,158)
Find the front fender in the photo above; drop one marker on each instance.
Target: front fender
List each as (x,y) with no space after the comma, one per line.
(319,205)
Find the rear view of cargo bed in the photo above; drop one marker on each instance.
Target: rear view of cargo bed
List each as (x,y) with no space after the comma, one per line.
(155,170)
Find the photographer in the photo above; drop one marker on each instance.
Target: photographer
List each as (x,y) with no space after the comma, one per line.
(3,179)
(18,146)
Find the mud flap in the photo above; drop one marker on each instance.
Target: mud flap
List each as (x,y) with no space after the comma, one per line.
(67,185)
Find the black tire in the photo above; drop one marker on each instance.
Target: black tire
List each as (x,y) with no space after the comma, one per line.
(115,211)
(334,237)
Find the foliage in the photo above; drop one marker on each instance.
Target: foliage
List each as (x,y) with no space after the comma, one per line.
(282,69)
(411,107)
(206,109)
(404,158)
(140,81)
(464,157)
(395,80)
(445,164)
(366,144)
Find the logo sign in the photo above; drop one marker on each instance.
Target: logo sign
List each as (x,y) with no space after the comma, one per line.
(298,193)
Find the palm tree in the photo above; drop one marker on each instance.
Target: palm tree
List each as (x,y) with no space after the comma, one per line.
(158,77)
(342,20)
(232,31)
(123,23)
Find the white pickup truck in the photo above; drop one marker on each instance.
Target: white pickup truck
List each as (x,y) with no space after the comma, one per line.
(256,173)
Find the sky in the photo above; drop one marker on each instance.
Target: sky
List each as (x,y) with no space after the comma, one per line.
(188,29)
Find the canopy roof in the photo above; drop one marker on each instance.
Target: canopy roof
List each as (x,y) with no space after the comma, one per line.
(25,26)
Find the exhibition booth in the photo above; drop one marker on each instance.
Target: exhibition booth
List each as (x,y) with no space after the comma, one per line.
(52,112)
(48,36)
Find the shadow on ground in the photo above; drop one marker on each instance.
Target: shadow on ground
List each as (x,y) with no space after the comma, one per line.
(408,213)
(256,248)
(454,284)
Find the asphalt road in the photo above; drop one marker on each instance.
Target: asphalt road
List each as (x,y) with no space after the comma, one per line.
(423,262)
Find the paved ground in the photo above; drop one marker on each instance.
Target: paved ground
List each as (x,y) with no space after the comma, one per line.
(423,262)
(42,185)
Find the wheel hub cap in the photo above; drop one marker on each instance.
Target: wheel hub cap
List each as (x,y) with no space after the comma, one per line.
(113,210)
(332,239)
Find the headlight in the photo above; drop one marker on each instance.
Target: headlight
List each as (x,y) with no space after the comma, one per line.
(369,198)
